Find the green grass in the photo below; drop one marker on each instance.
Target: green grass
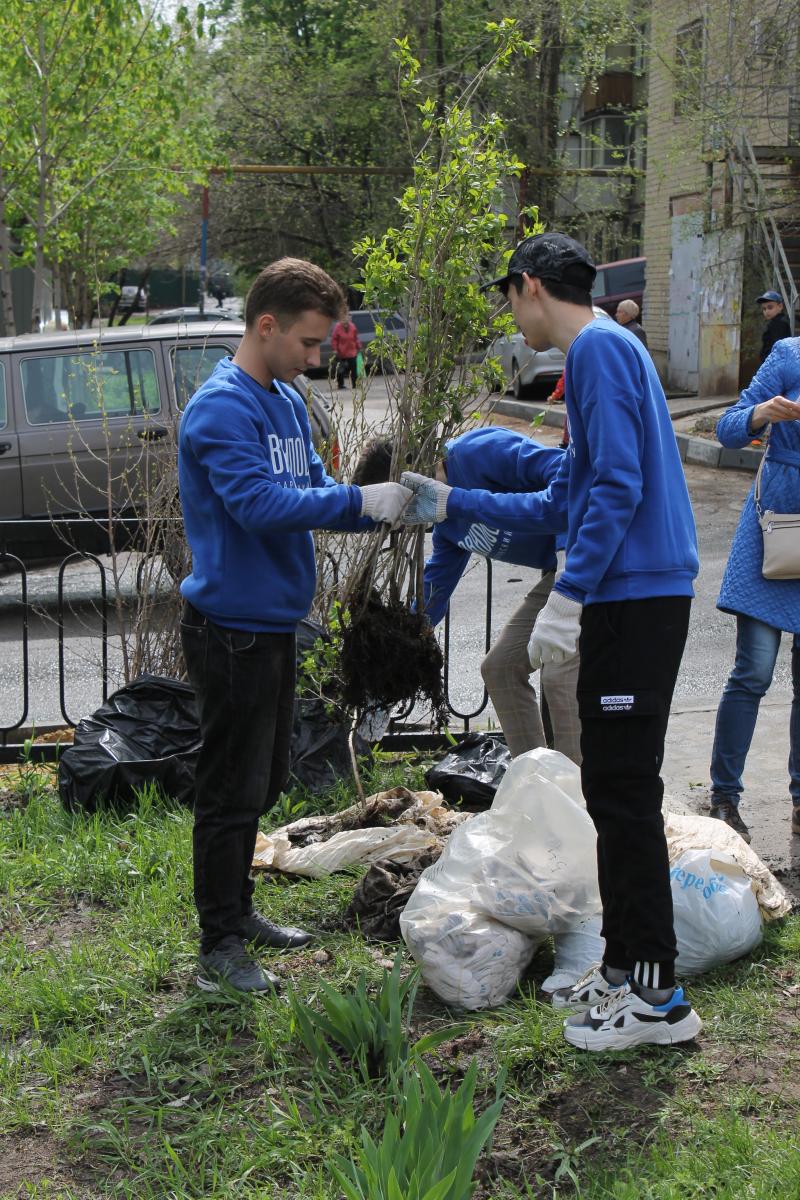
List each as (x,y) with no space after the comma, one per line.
(118,1078)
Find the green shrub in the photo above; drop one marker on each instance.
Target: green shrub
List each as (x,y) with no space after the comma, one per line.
(371,1032)
(429,1146)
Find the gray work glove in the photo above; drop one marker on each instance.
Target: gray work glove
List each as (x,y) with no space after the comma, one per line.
(384,502)
(429,505)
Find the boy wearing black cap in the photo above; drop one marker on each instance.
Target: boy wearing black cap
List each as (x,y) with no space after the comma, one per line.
(625,596)
(777,322)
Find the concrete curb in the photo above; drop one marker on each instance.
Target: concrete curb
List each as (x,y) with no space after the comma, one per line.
(528,412)
(701,451)
(706,453)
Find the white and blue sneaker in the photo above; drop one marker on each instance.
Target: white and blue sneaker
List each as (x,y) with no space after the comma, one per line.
(624,1019)
(592,988)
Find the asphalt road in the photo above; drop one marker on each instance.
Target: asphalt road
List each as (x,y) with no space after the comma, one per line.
(717,497)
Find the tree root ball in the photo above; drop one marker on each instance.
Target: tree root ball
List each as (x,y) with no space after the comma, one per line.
(389,657)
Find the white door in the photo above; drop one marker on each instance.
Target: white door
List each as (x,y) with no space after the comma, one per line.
(684,302)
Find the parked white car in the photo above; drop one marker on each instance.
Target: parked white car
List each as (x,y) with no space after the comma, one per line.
(523,367)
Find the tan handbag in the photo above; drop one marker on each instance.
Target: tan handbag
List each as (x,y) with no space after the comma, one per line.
(780,535)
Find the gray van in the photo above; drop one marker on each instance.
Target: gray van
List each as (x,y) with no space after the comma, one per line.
(84,416)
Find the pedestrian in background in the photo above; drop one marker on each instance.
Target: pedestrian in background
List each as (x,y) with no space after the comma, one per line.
(777,326)
(627,316)
(346,346)
(764,608)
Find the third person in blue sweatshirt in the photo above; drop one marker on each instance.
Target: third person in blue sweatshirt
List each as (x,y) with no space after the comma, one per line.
(499,460)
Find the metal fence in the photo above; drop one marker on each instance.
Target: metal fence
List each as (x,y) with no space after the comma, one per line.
(401,730)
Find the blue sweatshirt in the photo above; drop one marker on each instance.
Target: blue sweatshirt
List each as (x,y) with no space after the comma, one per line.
(621,493)
(252,489)
(499,461)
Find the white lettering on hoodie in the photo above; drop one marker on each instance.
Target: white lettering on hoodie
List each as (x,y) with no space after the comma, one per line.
(288,457)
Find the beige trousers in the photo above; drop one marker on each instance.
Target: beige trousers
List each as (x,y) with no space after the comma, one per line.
(506,672)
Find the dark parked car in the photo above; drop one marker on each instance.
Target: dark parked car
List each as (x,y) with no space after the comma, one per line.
(365,320)
(621,280)
(83,409)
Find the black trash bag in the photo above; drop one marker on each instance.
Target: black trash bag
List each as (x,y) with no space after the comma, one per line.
(471,772)
(147,732)
(320,753)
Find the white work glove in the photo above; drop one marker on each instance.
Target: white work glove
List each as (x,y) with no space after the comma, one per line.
(384,502)
(556,632)
(429,505)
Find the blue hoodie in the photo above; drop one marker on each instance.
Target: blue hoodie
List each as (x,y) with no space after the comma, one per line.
(621,492)
(252,489)
(499,461)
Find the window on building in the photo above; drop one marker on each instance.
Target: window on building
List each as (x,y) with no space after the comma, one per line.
(3,402)
(573,148)
(688,68)
(605,142)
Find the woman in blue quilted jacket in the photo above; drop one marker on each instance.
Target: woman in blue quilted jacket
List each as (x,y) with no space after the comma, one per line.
(764,608)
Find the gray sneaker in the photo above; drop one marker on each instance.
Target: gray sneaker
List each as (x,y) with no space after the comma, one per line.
(592,988)
(229,963)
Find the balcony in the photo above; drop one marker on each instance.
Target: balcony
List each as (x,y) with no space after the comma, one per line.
(614,90)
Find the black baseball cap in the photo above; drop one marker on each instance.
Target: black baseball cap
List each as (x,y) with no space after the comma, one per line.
(550,256)
(776,297)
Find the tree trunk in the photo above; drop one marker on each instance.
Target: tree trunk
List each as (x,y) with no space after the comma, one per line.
(541,122)
(6,298)
(128,313)
(438,50)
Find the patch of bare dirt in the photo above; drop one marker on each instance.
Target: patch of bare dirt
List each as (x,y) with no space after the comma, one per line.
(33,1158)
(57,928)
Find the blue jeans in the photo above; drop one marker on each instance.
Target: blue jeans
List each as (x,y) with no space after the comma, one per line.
(756,651)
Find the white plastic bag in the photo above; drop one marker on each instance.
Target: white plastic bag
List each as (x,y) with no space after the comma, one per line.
(689,831)
(717,918)
(531,860)
(575,952)
(467,959)
(528,866)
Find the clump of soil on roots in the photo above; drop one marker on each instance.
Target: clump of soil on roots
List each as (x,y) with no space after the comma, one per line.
(390,657)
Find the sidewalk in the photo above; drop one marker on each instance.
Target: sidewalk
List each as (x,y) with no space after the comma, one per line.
(684,411)
(766,807)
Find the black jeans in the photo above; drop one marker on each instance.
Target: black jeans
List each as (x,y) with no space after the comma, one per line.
(244,684)
(345,367)
(630,654)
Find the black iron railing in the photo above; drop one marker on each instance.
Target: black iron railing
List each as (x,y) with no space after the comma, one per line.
(400,730)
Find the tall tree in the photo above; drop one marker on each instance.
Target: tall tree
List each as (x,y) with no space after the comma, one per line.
(95,141)
(312,82)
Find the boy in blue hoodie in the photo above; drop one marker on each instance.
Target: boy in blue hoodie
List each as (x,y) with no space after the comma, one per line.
(624,599)
(499,460)
(252,489)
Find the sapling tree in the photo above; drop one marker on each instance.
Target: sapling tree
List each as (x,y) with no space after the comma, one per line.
(453,229)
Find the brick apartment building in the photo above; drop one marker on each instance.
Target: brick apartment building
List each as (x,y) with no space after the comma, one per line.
(722,192)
